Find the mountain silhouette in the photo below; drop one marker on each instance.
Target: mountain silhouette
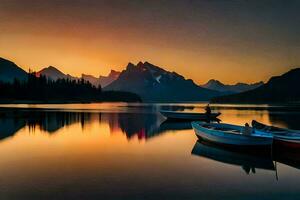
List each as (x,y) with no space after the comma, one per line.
(9,71)
(279,89)
(154,84)
(112,76)
(54,74)
(102,80)
(236,88)
(92,79)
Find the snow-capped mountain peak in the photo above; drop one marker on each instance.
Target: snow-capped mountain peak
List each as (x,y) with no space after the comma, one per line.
(154,83)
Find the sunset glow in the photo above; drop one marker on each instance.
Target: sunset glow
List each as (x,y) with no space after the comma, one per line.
(201,40)
(149,99)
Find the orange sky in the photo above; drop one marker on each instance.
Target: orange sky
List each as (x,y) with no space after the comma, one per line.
(231,42)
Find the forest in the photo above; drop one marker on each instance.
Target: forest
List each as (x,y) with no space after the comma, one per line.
(44,90)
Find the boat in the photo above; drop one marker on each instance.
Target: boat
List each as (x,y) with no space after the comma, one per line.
(249,161)
(282,136)
(228,134)
(190,116)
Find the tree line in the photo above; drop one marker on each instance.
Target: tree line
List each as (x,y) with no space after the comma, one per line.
(47,90)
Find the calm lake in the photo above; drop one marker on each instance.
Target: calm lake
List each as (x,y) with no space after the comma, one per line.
(129,151)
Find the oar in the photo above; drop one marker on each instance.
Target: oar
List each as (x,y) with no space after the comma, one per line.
(276,170)
(275,165)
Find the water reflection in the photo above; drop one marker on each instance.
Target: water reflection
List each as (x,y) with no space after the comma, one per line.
(248,160)
(93,152)
(9,126)
(172,125)
(287,156)
(142,125)
(286,119)
(51,122)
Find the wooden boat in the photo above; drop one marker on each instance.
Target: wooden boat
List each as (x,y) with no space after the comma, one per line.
(282,136)
(228,134)
(247,160)
(175,115)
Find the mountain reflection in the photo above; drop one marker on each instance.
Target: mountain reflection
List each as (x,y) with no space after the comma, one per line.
(140,125)
(53,121)
(9,126)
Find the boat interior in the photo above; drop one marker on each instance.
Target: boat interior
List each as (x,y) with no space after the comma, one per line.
(231,129)
(225,129)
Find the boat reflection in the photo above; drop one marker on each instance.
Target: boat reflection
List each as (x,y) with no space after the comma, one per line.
(171,125)
(177,107)
(287,156)
(248,160)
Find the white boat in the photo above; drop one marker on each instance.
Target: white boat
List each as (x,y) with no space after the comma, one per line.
(175,115)
(228,134)
(279,134)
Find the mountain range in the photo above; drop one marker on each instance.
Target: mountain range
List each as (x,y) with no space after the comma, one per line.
(54,74)
(230,89)
(150,82)
(154,84)
(102,80)
(279,89)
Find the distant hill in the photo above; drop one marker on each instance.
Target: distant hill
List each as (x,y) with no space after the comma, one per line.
(10,71)
(279,89)
(112,76)
(237,88)
(154,84)
(54,74)
(92,79)
(102,80)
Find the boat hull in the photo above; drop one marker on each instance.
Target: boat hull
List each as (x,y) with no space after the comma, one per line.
(280,142)
(234,139)
(171,115)
(282,137)
(286,155)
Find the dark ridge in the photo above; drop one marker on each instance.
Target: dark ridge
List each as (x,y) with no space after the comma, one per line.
(279,89)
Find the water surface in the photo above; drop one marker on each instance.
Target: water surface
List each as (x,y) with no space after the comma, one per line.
(129,151)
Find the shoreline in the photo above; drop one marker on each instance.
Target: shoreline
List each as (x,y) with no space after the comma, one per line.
(60,102)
